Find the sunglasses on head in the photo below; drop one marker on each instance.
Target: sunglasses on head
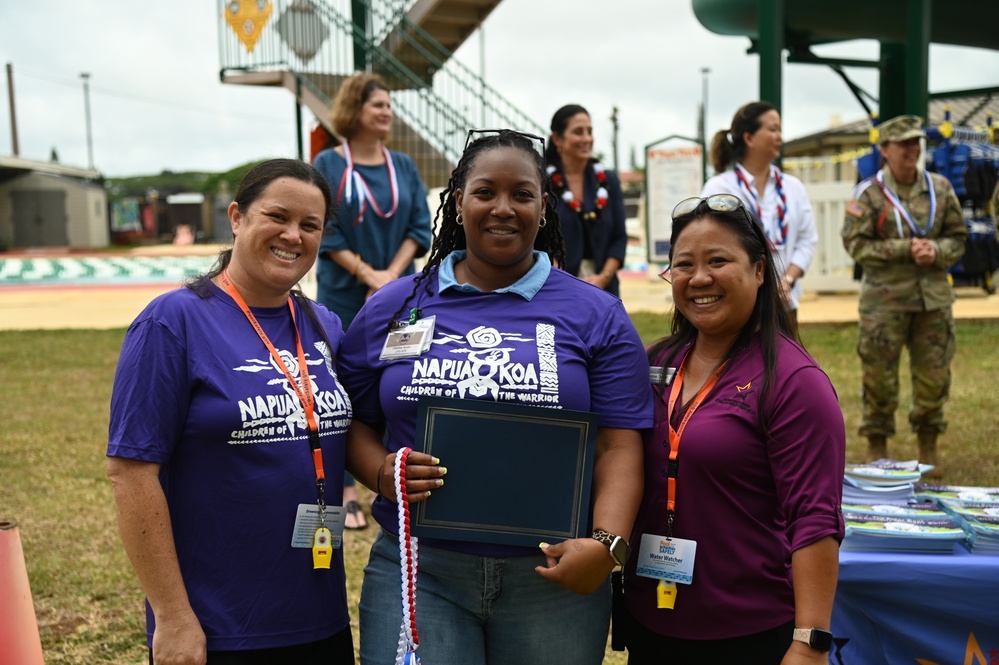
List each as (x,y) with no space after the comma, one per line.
(476,134)
(716,202)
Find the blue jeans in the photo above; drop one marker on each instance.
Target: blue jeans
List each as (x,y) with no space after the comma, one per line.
(479,610)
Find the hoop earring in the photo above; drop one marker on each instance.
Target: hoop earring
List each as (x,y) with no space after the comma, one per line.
(458,220)
(542,223)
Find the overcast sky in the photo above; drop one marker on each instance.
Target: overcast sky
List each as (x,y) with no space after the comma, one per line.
(157,102)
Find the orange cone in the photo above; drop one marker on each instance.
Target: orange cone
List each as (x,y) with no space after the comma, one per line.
(19,640)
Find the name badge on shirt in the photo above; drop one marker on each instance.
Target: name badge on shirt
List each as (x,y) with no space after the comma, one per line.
(670,559)
(409,340)
(656,375)
(307,523)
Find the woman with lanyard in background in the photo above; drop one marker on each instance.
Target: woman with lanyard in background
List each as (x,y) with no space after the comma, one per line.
(590,201)
(382,221)
(226,413)
(905,227)
(743,159)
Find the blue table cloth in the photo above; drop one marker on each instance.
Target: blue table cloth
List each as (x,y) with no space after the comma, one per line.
(916,609)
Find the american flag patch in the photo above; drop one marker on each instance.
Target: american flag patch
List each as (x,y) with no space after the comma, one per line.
(855,208)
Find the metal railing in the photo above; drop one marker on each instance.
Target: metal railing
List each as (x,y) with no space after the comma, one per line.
(317,41)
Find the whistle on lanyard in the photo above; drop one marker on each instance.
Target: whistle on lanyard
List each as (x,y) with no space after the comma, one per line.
(666,595)
(322,548)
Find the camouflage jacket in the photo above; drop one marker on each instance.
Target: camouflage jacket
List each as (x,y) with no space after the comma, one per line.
(879,240)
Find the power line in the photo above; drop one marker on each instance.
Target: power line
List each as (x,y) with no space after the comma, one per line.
(147,100)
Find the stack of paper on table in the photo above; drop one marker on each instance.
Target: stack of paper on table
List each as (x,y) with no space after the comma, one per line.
(884,481)
(977,508)
(916,528)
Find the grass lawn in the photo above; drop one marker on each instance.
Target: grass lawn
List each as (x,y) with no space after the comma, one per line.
(56,390)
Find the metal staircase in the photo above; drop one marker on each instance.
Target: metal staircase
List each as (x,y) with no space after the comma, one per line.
(311,46)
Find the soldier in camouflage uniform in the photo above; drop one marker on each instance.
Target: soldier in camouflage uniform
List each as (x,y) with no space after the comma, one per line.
(904,226)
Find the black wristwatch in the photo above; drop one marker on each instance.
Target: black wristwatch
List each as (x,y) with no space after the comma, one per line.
(618,546)
(818,639)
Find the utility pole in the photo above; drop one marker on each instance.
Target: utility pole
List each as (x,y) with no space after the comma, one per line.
(13,118)
(702,129)
(86,103)
(613,120)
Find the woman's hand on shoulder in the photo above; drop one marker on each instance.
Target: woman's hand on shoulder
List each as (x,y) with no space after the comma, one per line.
(580,565)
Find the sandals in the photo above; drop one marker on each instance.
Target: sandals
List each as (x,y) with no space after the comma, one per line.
(354,519)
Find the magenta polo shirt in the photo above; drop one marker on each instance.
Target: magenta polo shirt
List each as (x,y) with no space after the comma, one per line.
(749,502)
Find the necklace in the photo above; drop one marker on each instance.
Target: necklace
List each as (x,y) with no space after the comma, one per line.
(899,208)
(559,183)
(776,236)
(353,180)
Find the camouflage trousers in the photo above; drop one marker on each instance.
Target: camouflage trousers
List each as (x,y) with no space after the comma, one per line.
(930,338)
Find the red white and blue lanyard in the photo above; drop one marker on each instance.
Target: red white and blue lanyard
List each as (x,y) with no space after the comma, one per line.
(779,238)
(409,564)
(352,180)
(900,209)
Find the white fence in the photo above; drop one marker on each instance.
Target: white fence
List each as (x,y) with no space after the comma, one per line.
(832,268)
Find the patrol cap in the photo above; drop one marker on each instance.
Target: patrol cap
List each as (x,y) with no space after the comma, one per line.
(901,128)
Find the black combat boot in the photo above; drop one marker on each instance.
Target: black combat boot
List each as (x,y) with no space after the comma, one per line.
(928,452)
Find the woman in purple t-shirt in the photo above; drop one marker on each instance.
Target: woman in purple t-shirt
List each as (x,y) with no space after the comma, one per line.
(736,541)
(508,327)
(226,415)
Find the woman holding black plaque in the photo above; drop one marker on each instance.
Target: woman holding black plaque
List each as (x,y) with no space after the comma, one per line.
(507,327)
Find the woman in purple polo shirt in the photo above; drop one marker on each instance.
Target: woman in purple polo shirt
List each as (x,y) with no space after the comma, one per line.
(736,542)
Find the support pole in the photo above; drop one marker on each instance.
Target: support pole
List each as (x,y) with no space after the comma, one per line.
(298,119)
(917,60)
(13,117)
(86,103)
(771,14)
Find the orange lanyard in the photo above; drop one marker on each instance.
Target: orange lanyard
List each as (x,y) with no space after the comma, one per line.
(304,391)
(674,435)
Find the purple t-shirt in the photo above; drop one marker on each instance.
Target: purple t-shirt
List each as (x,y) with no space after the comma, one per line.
(197,391)
(570,346)
(747,502)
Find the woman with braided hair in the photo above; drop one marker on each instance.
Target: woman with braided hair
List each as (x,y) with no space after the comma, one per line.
(500,310)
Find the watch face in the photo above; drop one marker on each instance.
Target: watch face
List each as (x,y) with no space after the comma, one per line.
(820,640)
(620,550)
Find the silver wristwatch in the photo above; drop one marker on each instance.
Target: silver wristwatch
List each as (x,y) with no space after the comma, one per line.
(618,546)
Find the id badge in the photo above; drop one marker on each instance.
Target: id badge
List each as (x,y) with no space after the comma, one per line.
(307,523)
(656,375)
(410,340)
(669,559)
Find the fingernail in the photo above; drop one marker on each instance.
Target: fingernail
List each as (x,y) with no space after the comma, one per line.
(443,470)
(435,460)
(543,546)
(440,482)
(428,492)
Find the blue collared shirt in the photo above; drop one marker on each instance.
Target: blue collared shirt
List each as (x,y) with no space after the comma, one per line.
(526,287)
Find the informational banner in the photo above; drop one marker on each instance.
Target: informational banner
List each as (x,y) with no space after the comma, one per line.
(674,170)
(125,215)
